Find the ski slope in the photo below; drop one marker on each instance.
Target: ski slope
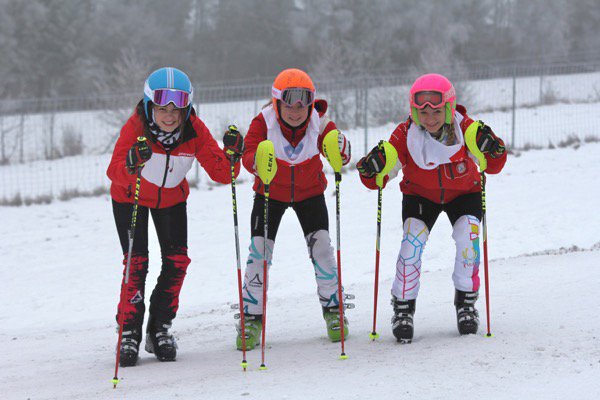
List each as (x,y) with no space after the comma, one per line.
(60,270)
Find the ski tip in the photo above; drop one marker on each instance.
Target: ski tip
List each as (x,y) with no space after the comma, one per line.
(343,356)
(374,335)
(263,367)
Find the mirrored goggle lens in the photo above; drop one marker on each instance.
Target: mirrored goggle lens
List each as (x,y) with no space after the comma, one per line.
(163,97)
(434,99)
(298,95)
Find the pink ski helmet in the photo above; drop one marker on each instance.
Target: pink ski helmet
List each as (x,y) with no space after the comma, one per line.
(435,91)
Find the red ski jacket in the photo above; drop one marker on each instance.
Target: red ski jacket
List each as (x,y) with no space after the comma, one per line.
(163,182)
(292,182)
(445,182)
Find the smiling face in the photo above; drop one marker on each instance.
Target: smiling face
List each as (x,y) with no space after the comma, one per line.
(294,115)
(432,119)
(168,118)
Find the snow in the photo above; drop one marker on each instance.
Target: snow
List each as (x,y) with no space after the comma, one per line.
(61,265)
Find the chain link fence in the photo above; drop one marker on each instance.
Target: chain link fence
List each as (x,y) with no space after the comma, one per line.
(60,148)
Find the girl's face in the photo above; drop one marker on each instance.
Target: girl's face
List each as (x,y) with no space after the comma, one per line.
(168,117)
(432,119)
(294,115)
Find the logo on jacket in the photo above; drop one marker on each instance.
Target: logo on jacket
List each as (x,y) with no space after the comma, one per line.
(293,152)
(461,167)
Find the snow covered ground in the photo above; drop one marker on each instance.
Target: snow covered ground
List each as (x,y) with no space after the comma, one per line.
(60,269)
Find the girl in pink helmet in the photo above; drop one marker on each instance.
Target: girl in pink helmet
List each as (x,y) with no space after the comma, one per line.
(439,174)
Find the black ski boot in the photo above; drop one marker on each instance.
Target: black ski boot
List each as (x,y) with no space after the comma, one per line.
(467,317)
(130,346)
(160,342)
(402,321)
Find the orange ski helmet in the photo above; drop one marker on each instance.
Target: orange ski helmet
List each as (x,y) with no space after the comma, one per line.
(293,86)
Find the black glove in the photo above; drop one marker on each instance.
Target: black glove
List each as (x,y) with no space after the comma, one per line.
(138,154)
(233,141)
(488,142)
(372,163)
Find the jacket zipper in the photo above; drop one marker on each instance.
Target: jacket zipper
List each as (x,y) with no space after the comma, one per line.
(164,179)
(292,195)
(440,181)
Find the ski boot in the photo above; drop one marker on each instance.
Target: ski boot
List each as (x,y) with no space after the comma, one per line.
(402,321)
(130,346)
(332,319)
(252,330)
(160,342)
(467,317)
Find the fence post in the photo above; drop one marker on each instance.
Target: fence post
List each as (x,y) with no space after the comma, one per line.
(541,83)
(365,115)
(514,104)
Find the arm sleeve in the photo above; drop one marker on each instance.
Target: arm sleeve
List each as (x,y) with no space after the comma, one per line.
(494,165)
(256,134)
(117,171)
(212,158)
(329,125)
(398,140)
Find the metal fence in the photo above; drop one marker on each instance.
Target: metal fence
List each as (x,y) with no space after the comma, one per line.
(53,148)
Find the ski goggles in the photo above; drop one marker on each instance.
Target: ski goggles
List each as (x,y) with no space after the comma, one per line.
(432,99)
(291,96)
(162,97)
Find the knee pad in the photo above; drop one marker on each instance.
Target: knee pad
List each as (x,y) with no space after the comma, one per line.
(465,233)
(466,268)
(414,238)
(321,254)
(256,248)
(408,265)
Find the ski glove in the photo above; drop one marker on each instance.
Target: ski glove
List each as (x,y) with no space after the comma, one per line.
(233,141)
(488,142)
(345,150)
(138,154)
(372,163)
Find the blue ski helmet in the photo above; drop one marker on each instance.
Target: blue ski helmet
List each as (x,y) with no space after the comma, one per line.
(168,85)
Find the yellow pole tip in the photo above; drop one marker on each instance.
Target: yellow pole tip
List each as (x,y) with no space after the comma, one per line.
(244,364)
(263,367)
(343,357)
(373,335)
(489,335)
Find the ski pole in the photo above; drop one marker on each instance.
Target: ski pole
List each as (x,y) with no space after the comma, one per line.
(471,140)
(125,287)
(332,153)
(232,161)
(338,179)
(391,156)
(485,254)
(266,167)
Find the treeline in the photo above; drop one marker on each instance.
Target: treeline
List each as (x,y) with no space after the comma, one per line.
(58,48)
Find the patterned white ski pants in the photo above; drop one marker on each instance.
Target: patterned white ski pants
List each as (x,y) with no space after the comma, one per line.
(466,264)
(322,256)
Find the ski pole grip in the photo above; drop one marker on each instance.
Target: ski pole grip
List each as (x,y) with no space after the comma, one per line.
(391,157)
(331,149)
(266,165)
(471,141)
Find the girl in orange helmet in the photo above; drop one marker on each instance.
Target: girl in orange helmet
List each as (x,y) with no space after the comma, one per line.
(296,123)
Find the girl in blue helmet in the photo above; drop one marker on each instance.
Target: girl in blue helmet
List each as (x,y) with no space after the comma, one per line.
(174,137)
